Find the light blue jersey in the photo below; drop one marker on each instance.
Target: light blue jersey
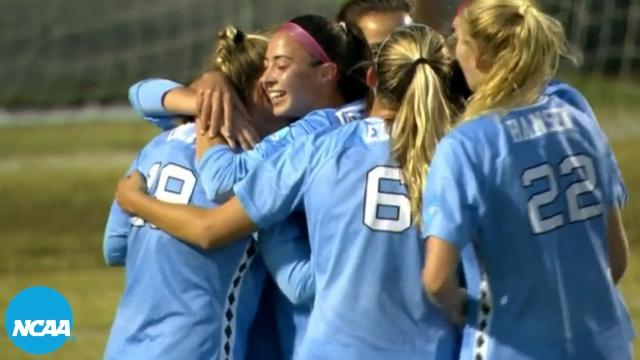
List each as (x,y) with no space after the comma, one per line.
(287,259)
(221,168)
(526,196)
(146,96)
(575,99)
(116,232)
(286,252)
(366,256)
(285,243)
(180,301)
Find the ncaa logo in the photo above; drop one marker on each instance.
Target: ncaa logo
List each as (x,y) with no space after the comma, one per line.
(38,320)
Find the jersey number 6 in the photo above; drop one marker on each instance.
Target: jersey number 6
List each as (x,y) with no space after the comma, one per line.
(397,217)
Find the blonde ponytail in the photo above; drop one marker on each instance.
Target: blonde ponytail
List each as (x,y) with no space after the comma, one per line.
(413,67)
(525,46)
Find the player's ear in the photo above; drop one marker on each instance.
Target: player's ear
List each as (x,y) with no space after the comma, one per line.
(484,63)
(372,78)
(328,71)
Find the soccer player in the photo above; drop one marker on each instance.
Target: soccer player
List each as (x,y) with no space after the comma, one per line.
(528,182)
(374,18)
(314,73)
(181,301)
(311,73)
(311,64)
(306,78)
(366,251)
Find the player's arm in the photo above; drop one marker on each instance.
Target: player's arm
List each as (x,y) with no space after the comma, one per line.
(220,167)
(287,256)
(618,245)
(181,100)
(266,197)
(166,98)
(114,243)
(207,228)
(440,278)
(451,209)
(614,198)
(161,100)
(116,232)
(146,96)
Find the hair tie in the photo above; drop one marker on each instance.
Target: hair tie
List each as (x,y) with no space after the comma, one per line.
(231,33)
(524,8)
(421,60)
(238,37)
(343,26)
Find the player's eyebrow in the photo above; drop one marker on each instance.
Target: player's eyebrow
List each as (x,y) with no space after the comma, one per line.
(278,57)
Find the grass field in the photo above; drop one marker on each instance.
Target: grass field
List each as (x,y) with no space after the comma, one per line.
(56,185)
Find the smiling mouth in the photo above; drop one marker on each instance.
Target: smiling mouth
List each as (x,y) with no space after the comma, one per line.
(275,95)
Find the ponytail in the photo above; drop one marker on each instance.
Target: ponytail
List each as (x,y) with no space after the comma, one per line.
(422,120)
(413,69)
(525,46)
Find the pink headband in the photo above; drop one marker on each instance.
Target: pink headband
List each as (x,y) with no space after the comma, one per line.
(308,43)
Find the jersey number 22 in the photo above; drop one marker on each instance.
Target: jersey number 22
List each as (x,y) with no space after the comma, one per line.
(576,212)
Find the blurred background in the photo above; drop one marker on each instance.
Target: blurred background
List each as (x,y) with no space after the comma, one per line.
(67,135)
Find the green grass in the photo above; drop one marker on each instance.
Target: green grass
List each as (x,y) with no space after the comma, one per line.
(92,292)
(613,99)
(73,139)
(53,213)
(52,219)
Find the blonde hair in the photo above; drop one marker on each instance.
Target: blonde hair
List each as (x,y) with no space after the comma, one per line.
(525,46)
(413,67)
(240,57)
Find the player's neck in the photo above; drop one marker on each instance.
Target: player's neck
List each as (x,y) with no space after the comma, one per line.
(333,100)
(380,111)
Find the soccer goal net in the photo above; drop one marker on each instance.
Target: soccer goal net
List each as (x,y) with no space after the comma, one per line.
(68,52)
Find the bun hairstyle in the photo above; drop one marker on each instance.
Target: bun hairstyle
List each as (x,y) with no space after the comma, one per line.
(240,57)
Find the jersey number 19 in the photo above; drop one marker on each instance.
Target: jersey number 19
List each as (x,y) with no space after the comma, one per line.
(184,182)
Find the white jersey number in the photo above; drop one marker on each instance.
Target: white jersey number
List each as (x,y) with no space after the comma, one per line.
(577,213)
(375,198)
(182,178)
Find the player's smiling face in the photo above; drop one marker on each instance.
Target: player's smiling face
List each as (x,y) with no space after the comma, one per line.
(290,79)
(468,56)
